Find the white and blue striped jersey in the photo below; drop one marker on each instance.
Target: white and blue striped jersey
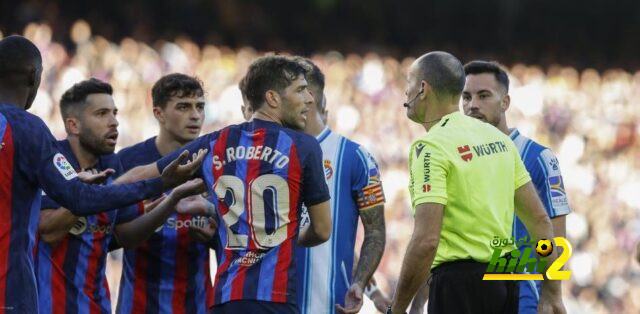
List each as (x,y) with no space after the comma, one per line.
(353,177)
(545,175)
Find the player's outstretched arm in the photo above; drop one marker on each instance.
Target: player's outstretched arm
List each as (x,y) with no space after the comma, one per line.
(532,214)
(131,234)
(173,174)
(138,173)
(319,229)
(420,254)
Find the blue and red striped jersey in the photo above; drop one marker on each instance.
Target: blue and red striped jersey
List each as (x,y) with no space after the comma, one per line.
(259,174)
(169,272)
(71,275)
(30,160)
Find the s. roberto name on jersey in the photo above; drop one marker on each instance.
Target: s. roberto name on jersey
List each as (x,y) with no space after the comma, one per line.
(260,152)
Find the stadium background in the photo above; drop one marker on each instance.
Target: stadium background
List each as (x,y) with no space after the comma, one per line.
(574,68)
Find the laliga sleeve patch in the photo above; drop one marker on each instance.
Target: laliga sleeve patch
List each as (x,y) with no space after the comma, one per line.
(64,167)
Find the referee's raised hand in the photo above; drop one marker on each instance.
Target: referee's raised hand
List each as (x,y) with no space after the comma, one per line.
(176,173)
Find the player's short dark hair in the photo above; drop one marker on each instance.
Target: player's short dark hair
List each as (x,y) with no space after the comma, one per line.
(314,77)
(269,73)
(18,57)
(443,72)
(480,67)
(73,101)
(175,84)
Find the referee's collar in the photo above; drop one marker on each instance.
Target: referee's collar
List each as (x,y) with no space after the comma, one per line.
(513,133)
(320,137)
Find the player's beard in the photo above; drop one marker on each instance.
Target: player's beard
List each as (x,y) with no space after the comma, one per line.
(94,143)
(292,117)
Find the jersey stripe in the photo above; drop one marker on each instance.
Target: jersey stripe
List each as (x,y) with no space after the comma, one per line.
(254,166)
(247,171)
(547,192)
(225,259)
(285,254)
(58,285)
(181,265)
(336,199)
(140,282)
(6,176)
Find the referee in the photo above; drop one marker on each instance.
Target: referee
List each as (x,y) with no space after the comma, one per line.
(466,177)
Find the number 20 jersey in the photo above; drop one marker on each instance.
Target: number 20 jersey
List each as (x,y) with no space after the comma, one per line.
(259,174)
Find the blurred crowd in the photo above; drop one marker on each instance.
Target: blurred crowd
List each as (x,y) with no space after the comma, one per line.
(588,118)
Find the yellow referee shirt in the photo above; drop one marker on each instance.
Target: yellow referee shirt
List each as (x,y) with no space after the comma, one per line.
(473,169)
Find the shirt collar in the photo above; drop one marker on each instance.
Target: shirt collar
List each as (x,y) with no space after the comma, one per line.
(513,133)
(323,135)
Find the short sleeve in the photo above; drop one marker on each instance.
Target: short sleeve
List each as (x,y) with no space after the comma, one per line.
(428,171)
(367,186)
(547,178)
(201,142)
(314,185)
(521,175)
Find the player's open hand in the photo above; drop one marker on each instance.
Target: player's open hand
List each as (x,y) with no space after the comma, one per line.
(93,176)
(206,233)
(189,188)
(195,205)
(175,173)
(352,300)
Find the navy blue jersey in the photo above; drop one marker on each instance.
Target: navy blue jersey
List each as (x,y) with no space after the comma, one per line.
(73,272)
(29,160)
(169,272)
(258,174)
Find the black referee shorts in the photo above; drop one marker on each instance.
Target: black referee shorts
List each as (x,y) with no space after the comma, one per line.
(457,288)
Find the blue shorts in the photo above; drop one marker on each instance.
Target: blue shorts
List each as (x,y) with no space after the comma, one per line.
(529,296)
(255,306)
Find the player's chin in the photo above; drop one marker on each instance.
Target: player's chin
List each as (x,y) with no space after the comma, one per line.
(107,149)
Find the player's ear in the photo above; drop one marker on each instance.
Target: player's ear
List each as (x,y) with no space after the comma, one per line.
(505,103)
(425,88)
(72,125)
(158,113)
(272,98)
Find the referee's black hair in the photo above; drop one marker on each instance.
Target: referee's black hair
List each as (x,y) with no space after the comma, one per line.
(492,67)
(73,101)
(443,72)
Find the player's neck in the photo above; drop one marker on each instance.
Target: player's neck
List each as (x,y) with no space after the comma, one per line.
(266,116)
(86,159)
(315,126)
(13,98)
(166,143)
(503,127)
